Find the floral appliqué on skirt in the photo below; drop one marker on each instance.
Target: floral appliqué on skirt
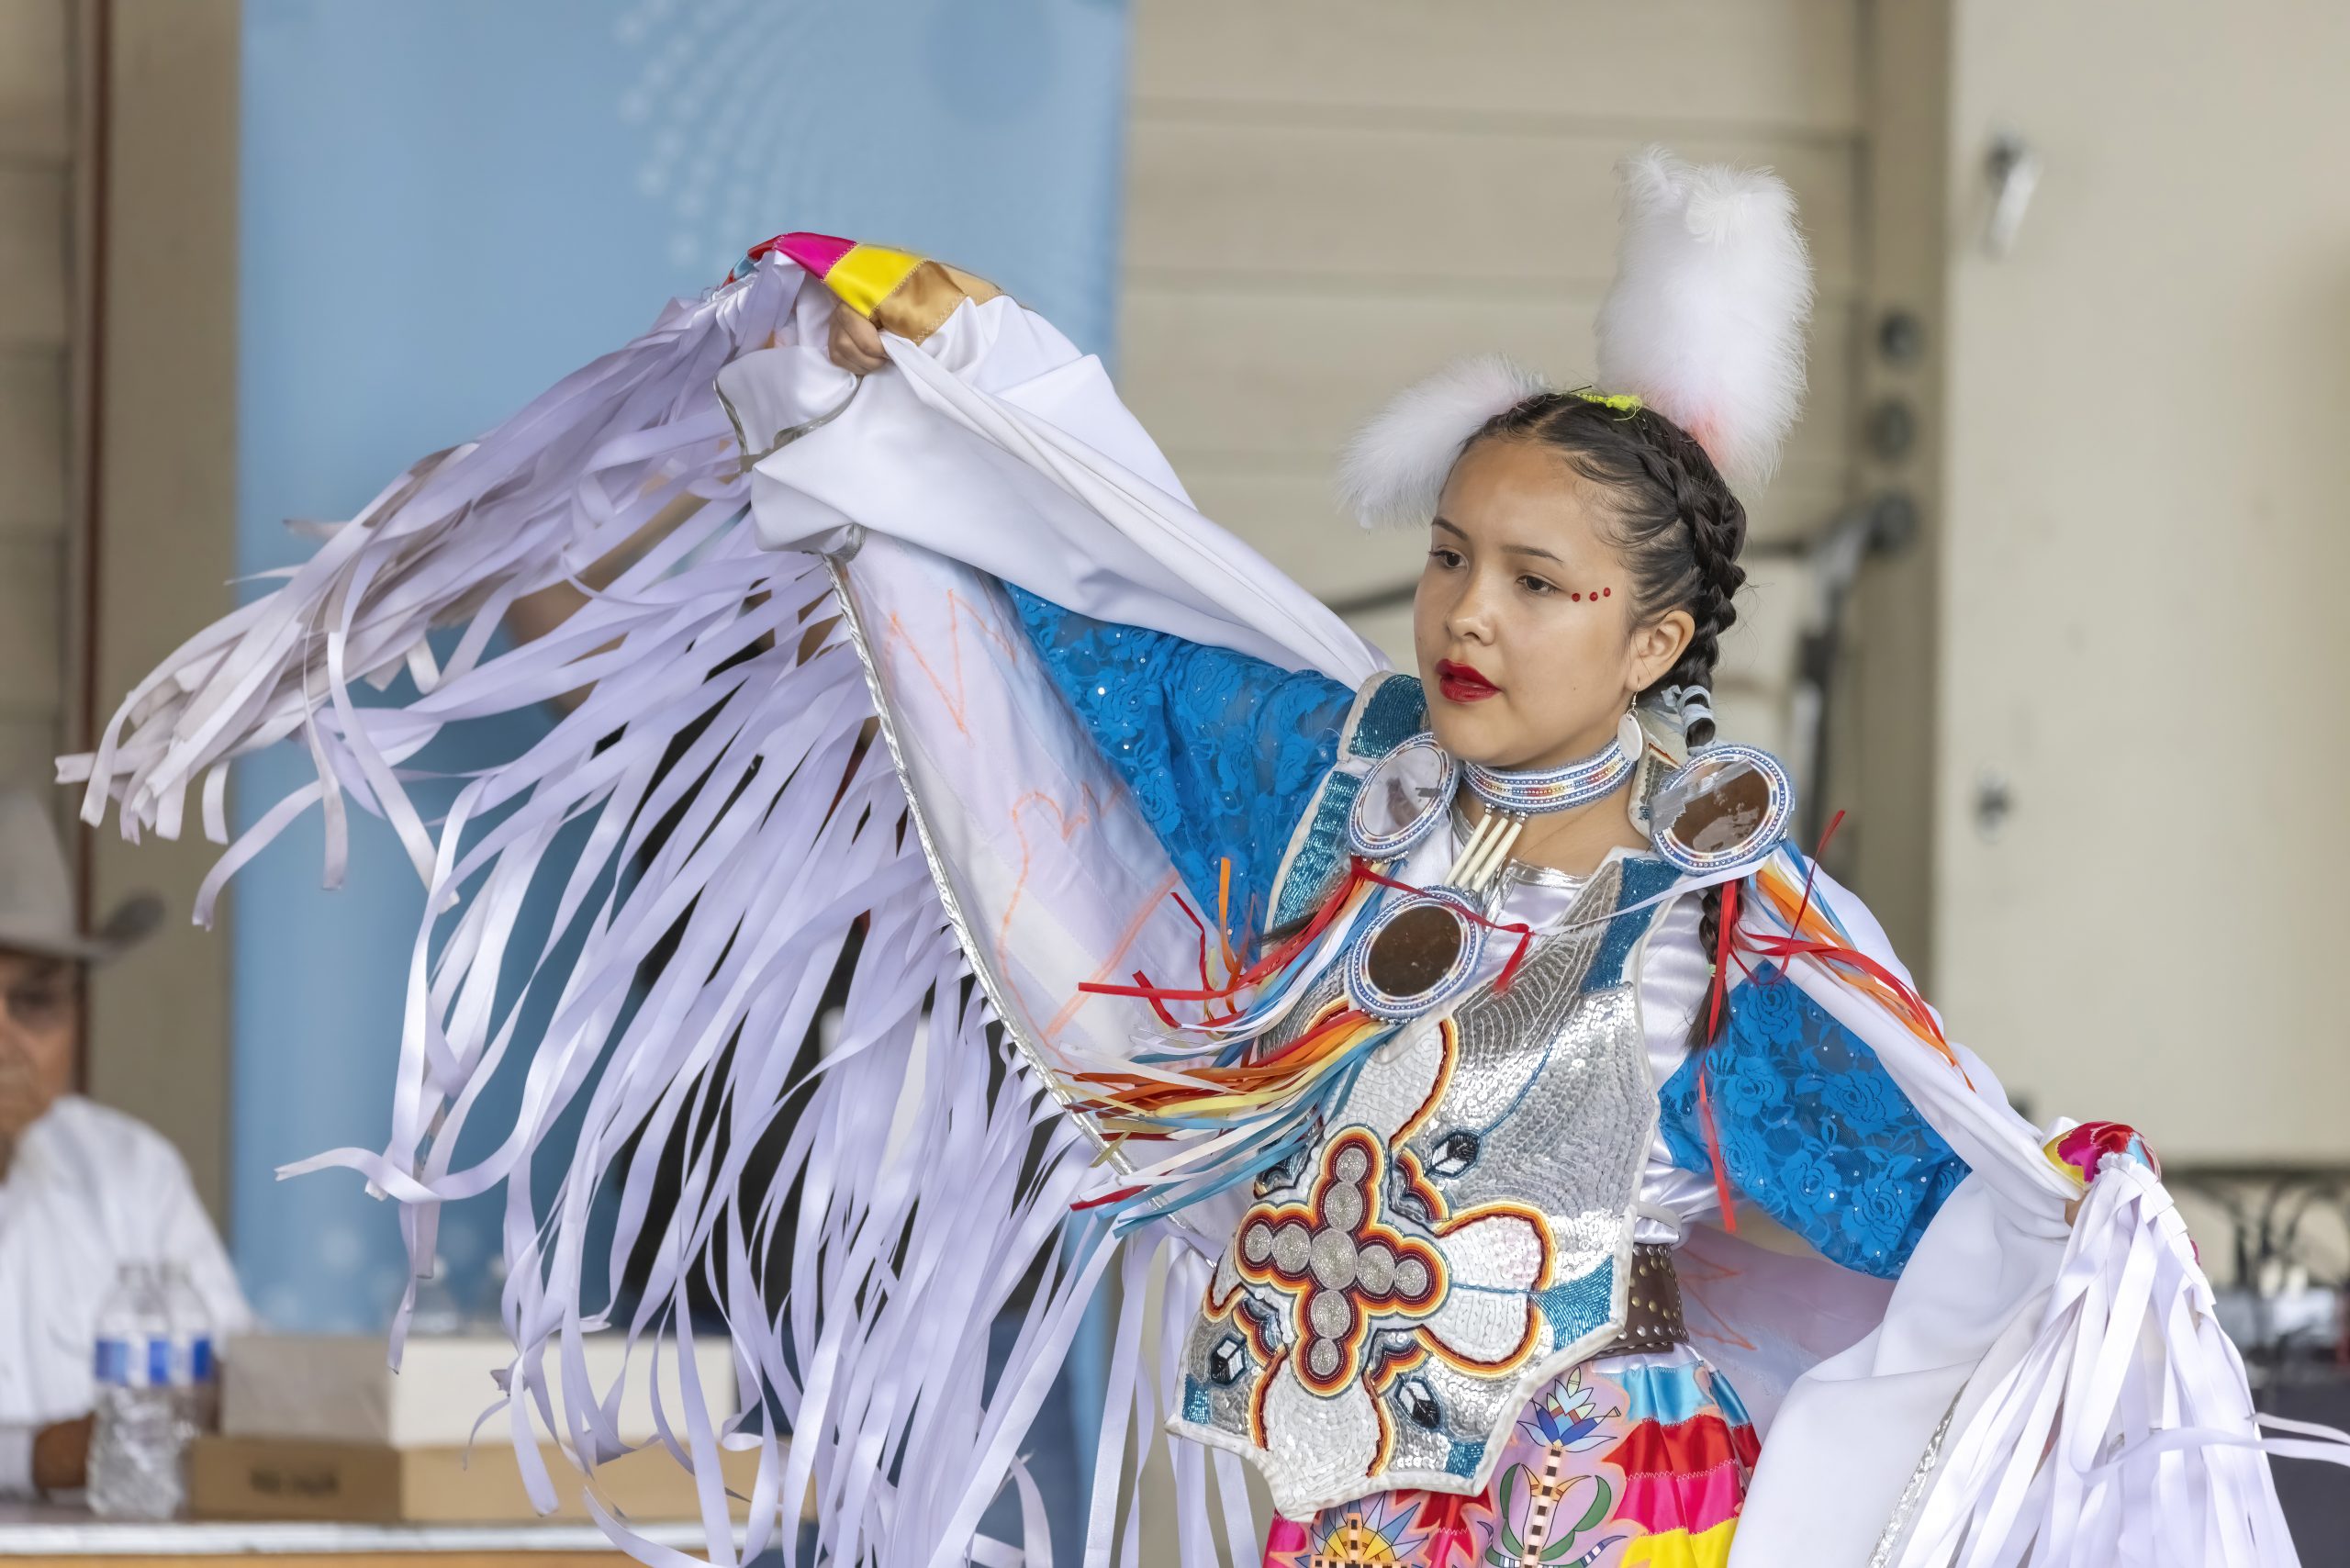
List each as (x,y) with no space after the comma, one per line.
(1625,1461)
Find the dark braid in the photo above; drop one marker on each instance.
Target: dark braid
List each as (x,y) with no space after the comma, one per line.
(1678,528)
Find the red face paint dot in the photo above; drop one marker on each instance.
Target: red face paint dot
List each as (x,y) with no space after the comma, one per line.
(1578,599)
(1606,591)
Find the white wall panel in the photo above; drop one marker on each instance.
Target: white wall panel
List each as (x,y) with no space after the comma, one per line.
(1233,192)
(33,217)
(2143,572)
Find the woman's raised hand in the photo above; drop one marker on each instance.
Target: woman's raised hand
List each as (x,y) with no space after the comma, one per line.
(855,343)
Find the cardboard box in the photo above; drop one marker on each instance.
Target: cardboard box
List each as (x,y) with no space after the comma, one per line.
(337,1389)
(276,1478)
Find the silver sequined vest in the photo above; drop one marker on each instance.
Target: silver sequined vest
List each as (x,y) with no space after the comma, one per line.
(1460,1233)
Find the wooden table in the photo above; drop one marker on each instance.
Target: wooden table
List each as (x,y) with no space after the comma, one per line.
(54,1533)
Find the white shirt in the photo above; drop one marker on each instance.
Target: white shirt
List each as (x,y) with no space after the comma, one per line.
(90,1189)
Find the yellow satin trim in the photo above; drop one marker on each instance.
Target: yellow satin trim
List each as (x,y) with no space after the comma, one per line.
(2048,1152)
(1679,1549)
(869,275)
(903,293)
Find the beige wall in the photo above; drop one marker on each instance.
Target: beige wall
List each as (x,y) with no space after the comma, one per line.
(118,381)
(2144,570)
(37,145)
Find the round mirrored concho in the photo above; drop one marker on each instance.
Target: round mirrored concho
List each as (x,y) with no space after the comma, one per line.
(1416,957)
(1727,806)
(1403,798)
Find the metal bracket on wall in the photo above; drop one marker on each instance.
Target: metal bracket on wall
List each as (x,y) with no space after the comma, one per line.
(1886,525)
(2014,167)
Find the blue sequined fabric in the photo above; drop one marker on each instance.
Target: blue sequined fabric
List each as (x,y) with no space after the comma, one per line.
(1221,750)
(1812,1129)
(1392,710)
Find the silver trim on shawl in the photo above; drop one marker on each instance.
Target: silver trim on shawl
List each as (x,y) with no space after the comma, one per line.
(1913,1491)
(785,436)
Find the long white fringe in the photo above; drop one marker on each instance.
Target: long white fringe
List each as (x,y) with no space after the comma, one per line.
(718,693)
(2125,1433)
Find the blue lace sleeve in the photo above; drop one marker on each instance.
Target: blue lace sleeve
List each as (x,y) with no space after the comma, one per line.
(1221,750)
(1813,1128)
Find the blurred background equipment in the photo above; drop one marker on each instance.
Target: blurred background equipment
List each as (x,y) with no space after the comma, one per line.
(2284,1225)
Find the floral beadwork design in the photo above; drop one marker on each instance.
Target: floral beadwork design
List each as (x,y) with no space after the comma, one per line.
(1338,1264)
(1397,1286)
(1812,1127)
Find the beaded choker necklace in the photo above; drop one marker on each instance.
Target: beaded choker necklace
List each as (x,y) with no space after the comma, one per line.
(1511,798)
(1533,791)
(1421,951)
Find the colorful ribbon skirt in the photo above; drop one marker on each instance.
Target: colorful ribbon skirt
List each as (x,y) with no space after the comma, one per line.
(1626,1462)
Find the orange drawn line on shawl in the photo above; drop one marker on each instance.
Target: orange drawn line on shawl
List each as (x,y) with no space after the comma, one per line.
(1069,823)
(1386,1449)
(1545,1276)
(1066,825)
(958,611)
(955,698)
(1117,955)
(1215,1308)
(1257,1397)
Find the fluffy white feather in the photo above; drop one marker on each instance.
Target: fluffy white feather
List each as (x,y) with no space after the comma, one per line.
(1705,319)
(1394,468)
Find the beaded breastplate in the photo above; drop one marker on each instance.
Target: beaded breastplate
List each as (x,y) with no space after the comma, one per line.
(1460,1233)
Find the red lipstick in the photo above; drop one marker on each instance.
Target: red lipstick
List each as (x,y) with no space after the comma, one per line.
(1461,683)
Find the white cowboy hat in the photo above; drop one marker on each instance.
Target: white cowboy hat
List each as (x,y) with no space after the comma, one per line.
(37,892)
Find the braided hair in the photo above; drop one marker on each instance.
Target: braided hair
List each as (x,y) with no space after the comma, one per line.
(1677,526)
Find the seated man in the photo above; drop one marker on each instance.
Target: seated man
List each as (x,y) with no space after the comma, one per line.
(82,1189)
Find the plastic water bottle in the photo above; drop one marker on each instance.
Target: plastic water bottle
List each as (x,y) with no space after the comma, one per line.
(196,1361)
(142,1433)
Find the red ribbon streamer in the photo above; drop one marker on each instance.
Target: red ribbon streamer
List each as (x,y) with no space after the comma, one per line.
(1357,873)
(1267,965)
(1705,1066)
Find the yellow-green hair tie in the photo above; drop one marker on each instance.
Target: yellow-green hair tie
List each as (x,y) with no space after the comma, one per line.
(1622,402)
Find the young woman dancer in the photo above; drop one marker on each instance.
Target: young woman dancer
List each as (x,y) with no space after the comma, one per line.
(1421,1033)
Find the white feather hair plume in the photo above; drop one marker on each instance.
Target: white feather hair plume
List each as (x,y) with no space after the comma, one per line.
(1394,468)
(1704,323)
